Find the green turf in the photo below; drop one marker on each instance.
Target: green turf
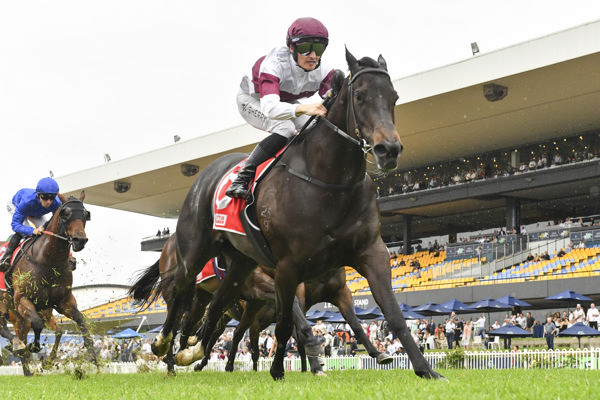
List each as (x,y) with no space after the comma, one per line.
(461,384)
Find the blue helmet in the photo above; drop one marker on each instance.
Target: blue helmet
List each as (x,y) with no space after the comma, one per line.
(47,185)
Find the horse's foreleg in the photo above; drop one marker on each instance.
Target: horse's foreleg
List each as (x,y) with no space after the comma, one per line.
(285,289)
(343,301)
(306,339)
(374,266)
(69,309)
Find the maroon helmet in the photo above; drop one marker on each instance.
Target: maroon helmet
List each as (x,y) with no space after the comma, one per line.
(307,28)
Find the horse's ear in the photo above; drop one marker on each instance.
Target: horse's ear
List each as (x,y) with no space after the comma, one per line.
(61,198)
(337,80)
(382,62)
(351,60)
(82,195)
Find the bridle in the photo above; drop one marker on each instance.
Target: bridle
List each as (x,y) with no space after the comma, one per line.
(359,140)
(78,212)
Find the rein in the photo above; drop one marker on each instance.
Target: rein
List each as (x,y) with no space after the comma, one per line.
(56,235)
(359,140)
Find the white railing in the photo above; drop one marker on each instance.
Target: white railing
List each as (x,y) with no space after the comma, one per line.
(525,359)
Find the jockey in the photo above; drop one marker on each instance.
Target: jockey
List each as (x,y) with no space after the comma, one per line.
(32,205)
(268,97)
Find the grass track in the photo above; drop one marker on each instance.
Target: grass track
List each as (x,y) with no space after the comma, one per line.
(461,384)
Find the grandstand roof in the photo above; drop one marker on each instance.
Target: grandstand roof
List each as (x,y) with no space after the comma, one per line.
(553,90)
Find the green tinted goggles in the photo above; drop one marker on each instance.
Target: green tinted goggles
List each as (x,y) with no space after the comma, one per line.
(306,48)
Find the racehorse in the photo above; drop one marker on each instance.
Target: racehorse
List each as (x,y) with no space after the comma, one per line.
(42,279)
(317,209)
(257,291)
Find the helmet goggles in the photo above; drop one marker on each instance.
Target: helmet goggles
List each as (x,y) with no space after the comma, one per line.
(47,196)
(305,46)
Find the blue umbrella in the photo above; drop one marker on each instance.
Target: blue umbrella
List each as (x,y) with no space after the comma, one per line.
(513,301)
(127,333)
(510,330)
(431,308)
(155,330)
(407,315)
(488,304)
(579,329)
(569,296)
(405,307)
(369,313)
(232,323)
(336,318)
(457,306)
(322,315)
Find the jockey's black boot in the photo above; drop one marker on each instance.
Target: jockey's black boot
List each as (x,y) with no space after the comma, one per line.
(10,249)
(266,149)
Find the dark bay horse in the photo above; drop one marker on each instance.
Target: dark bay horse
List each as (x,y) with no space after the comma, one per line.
(317,209)
(257,291)
(42,279)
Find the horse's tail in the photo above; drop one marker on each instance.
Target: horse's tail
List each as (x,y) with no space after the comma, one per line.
(145,289)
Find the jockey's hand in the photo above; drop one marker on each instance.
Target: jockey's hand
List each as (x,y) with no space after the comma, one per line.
(311,109)
(38,231)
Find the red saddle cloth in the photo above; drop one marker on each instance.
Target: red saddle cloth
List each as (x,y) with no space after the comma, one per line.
(2,249)
(226,211)
(211,269)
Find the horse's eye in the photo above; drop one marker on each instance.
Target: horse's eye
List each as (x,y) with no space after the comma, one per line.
(359,97)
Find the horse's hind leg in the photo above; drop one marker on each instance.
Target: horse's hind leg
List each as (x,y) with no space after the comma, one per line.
(374,265)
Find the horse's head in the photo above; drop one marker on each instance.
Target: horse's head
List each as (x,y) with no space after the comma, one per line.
(72,217)
(370,109)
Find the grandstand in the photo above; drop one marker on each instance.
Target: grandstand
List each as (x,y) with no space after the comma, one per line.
(467,152)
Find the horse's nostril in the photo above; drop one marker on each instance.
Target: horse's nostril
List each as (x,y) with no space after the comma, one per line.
(380,150)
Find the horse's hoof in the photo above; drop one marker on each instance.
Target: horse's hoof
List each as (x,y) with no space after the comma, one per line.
(189,355)
(383,359)
(319,373)
(192,341)
(160,345)
(277,374)
(18,346)
(33,348)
